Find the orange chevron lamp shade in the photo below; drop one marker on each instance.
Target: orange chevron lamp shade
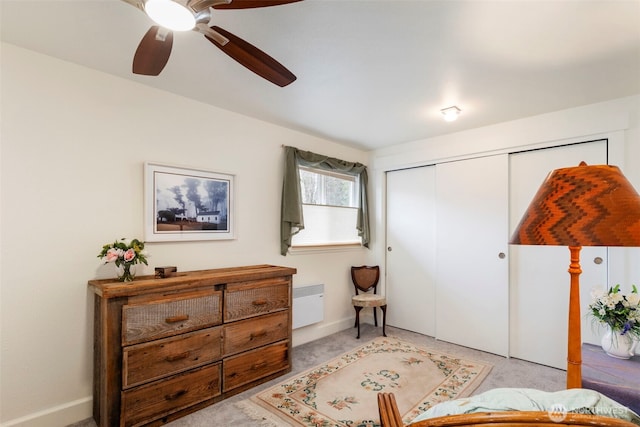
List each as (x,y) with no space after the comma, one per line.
(586,205)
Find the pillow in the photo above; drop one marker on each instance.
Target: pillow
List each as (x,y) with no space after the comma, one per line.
(575,400)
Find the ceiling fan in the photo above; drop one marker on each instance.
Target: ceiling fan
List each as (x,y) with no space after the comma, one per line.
(181,15)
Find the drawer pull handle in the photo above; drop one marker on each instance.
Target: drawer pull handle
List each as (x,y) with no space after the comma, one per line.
(176,357)
(258,365)
(258,334)
(177,394)
(260,302)
(176,319)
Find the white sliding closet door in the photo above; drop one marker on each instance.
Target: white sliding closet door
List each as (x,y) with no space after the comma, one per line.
(539,281)
(472,243)
(411,249)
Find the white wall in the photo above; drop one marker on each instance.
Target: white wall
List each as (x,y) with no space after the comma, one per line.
(73,143)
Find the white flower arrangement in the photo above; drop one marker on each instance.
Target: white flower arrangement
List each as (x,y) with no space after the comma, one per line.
(620,312)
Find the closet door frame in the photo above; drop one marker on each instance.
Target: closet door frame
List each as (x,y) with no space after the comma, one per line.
(618,257)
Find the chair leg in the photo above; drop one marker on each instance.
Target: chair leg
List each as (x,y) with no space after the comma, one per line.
(384,319)
(375,317)
(358,320)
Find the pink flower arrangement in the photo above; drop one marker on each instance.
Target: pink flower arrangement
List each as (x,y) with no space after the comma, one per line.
(124,251)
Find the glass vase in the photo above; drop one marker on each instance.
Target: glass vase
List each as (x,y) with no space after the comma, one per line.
(126,272)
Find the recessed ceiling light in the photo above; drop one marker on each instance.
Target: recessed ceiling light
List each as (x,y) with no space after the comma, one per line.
(170,14)
(451,113)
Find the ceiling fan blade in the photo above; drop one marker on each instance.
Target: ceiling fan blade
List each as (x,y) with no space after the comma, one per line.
(136,3)
(153,51)
(249,4)
(253,58)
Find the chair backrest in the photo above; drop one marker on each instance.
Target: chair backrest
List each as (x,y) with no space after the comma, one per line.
(365,278)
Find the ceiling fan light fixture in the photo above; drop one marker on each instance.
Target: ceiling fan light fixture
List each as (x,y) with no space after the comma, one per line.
(170,14)
(451,113)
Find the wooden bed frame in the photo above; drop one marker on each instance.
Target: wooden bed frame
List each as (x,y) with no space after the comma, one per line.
(390,417)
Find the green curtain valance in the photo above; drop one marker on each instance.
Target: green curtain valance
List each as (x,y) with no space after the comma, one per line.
(291,212)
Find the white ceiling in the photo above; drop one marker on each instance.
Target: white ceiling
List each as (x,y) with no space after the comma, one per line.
(371,73)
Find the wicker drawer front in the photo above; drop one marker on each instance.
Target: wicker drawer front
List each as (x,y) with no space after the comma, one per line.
(252,333)
(166,317)
(153,401)
(146,362)
(248,367)
(244,300)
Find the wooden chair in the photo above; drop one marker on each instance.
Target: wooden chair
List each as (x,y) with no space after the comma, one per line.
(390,417)
(365,280)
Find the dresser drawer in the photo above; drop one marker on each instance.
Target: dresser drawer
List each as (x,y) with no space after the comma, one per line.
(252,333)
(152,401)
(170,315)
(248,299)
(250,366)
(146,362)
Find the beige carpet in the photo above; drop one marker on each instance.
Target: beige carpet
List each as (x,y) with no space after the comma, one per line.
(343,391)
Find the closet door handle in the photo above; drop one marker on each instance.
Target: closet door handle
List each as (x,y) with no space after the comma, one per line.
(597,260)
(389,248)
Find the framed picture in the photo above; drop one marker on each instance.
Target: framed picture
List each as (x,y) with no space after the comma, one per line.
(187,204)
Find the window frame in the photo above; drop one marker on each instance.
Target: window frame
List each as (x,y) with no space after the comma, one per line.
(354,179)
(292,218)
(353,205)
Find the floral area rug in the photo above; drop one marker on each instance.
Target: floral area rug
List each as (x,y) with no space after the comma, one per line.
(343,391)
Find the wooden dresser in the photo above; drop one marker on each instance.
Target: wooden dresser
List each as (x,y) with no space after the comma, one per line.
(166,347)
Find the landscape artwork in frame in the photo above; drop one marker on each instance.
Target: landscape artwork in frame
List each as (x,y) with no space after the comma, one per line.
(187,204)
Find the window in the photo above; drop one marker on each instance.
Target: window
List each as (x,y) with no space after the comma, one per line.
(330,208)
(336,190)
(321,187)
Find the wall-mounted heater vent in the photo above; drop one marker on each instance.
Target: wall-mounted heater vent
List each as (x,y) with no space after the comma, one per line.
(308,305)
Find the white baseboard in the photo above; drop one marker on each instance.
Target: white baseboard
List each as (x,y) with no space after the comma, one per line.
(57,416)
(320,330)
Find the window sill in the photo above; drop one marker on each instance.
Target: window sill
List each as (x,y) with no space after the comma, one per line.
(321,248)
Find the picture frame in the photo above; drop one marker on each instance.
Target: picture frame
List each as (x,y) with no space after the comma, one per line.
(185,204)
